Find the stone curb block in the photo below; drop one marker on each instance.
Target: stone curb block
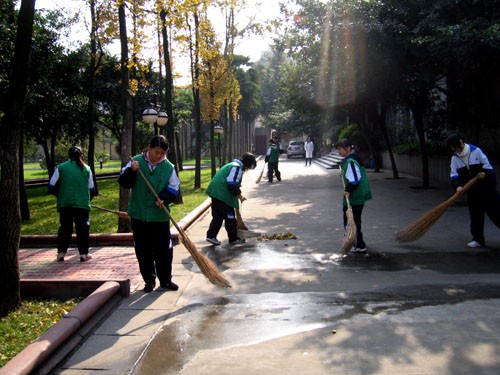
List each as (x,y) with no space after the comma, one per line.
(37,352)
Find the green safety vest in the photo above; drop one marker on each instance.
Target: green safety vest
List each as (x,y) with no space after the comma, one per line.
(275,154)
(218,186)
(363,192)
(142,205)
(73,185)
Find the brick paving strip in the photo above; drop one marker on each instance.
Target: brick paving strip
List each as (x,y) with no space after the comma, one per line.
(112,271)
(107,263)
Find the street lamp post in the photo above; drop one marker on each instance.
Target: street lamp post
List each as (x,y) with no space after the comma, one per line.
(218,129)
(155,115)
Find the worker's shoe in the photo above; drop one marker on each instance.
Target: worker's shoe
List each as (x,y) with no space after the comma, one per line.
(238,241)
(148,288)
(169,286)
(60,257)
(358,249)
(474,244)
(85,257)
(213,241)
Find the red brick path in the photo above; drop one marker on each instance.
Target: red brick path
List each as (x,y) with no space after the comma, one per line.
(107,263)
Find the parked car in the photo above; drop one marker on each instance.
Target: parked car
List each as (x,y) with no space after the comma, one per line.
(295,148)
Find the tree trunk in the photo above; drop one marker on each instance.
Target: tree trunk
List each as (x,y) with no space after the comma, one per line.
(91,93)
(419,126)
(195,74)
(169,89)
(126,130)
(23,196)
(10,128)
(385,133)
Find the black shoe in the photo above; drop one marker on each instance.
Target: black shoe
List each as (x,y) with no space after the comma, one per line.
(148,288)
(169,286)
(238,241)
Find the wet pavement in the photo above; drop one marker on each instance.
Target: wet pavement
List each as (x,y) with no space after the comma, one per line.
(296,307)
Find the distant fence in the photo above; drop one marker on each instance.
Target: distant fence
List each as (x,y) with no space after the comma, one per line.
(439,166)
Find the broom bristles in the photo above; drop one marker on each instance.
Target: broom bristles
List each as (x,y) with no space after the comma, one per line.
(239,219)
(261,174)
(417,228)
(350,234)
(206,266)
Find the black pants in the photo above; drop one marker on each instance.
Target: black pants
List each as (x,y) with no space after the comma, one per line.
(309,160)
(154,251)
(357,210)
(272,169)
(68,215)
(222,213)
(480,204)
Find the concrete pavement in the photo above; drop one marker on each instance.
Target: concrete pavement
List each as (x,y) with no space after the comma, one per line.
(427,307)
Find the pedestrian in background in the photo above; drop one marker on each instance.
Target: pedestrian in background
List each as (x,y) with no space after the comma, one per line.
(309,147)
(73,185)
(272,160)
(357,189)
(467,162)
(225,192)
(150,223)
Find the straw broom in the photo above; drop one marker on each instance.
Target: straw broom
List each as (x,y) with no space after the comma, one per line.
(121,214)
(206,266)
(416,229)
(243,230)
(350,231)
(261,173)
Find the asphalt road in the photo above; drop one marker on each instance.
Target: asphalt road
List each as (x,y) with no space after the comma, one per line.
(296,307)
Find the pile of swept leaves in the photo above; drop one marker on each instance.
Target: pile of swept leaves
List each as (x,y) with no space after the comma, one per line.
(277,236)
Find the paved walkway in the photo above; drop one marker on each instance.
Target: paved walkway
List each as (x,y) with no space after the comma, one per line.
(107,263)
(389,306)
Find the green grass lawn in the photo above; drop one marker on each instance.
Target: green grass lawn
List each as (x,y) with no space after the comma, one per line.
(44,218)
(24,325)
(33,317)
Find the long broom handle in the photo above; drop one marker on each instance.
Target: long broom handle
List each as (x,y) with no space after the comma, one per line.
(179,229)
(261,173)
(466,187)
(343,184)
(121,214)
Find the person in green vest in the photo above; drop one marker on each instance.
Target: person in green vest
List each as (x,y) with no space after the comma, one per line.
(225,192)
(357,189)
(150,223)
(272,159)
(73,185)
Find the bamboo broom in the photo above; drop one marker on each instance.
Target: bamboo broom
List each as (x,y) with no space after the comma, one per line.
(206,266)
(261,173)
(243,230)
(121,214)
(417,228)
(350,231)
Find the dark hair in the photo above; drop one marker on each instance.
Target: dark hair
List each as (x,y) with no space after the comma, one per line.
(344,143)
(159,141)
(248,160)
(75,153)
(271,140)
(454,140)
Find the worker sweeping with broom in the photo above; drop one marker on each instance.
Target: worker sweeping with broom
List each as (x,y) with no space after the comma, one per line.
(224,189)
(467,162)
(150,224)
(356,190)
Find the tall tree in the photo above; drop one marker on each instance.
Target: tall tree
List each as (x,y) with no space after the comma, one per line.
(10,225)
(126,129)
